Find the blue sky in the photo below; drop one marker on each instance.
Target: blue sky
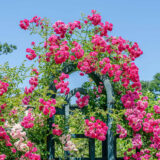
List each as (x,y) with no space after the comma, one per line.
(135,20)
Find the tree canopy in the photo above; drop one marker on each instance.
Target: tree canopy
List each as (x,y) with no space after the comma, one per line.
(6,48)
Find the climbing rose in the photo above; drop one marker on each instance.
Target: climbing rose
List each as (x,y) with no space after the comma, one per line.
(95,129)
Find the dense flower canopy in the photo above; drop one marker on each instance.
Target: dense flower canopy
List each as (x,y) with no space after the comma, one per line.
(87,46)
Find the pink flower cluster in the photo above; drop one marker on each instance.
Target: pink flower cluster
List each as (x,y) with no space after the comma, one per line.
(5,137)
(135,111)
(135,118)
(123,72)
(136,141)
(60,28)
(47,107)
(95,129)
(136,114)
(138,118)
(33,43)
(53,44)
(111,69)
(62,54)
(37,20)
(120,43)
(142,155)
(131,73)
(2,107)
(24,24)
(68,144)
(128,99)
(149,123)
(56,130)
(28,121)
(63,76)
(74,25)
(2,157)
(81,102)
(120,130)
(155,139)
(95,18)
(17,133)
(135,51)
(157,109)
(105,65)
(63,86)
(13,112)
(31,155)
(3,87)
(33,82)
(100,88)
(105,28)
(99,43)
(26,100)
(32,54)
(29,90)
(35,71)
(158,155)
(77,50)
(116,72)
(21,145)
(87,65)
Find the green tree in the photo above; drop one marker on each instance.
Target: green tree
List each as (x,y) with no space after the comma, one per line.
(152,86)
(155,84)
(6,48)
(145,86)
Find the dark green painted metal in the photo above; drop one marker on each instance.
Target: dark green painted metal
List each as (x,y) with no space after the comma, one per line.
(73,92)
(73,158)
(60,111)
(104,149)
(92,149)
(108,146)
(50,141)
(111,140)
(78,136)
(66,153)
(69,68)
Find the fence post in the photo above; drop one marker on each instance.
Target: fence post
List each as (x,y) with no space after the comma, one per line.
(91,149)
(111,140)
(66,153)
(50,141)
(50,121)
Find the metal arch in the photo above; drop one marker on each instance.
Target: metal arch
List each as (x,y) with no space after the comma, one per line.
(108,146)
(111,140)
(69,68)
(73,92)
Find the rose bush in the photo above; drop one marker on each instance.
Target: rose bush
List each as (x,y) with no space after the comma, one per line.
(88,47)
